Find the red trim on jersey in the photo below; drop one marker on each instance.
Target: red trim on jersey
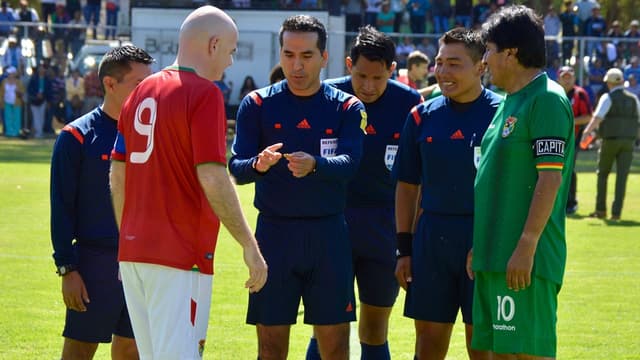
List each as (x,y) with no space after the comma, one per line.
(73,131)
(352,100)
(416,117)
(117,156)
(256,98)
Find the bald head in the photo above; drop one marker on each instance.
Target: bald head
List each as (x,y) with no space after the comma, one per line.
(208,38)
(206,20)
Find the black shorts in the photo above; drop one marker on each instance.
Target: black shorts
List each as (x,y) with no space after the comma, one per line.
(107,313)
(440,285)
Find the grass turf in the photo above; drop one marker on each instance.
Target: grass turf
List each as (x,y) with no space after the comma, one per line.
(599,314)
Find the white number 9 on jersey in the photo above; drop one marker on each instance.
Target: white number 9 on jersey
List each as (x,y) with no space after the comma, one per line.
(145,129)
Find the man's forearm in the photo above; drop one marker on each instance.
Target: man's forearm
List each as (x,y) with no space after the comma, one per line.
(117,180)
(542,204)
(406,206)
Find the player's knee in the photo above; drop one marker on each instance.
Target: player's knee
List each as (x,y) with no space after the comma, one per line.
(123,349)
(272,351)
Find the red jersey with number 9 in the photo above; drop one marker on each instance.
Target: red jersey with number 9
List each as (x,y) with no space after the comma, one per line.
(173,121)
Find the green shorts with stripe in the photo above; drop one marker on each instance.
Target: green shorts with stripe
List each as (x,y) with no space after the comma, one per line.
(510,322)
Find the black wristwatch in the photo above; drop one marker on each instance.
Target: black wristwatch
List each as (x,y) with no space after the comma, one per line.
(65,269)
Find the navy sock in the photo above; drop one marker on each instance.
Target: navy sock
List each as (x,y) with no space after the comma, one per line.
(375,352)
(312,350)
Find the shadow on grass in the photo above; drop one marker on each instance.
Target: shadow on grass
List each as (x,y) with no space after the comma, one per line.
(25,151)
(622,222)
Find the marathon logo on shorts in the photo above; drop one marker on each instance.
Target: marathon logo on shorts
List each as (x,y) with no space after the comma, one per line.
(549,147)
(503,327)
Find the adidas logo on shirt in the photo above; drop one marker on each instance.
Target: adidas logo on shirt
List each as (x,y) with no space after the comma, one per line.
(304,124)
(457,135)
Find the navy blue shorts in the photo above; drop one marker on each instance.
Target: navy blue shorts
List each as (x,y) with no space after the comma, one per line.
(372,232)
(308,259)
(107,313)
(440,285)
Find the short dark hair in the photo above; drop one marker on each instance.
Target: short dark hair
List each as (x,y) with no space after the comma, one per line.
(517,27)
(276,74)
(469,38)
(417,57)
(305,23)
(373,45)
(116,62)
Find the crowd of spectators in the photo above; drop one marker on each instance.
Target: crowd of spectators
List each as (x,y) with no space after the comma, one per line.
(60,29)
(38,87)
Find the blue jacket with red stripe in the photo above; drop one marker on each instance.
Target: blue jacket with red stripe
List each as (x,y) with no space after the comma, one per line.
(373,185)
(440,150)
(328,125)
(81,208)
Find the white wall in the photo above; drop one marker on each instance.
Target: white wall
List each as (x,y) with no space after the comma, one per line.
(156,30)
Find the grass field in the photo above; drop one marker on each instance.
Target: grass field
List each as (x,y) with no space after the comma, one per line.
(599,314)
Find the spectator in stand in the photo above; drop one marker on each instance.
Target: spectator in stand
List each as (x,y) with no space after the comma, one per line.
(397,6)
(11,100)
(276,74)
(93,91)
(441,12)
(595,26)
(353,15)
(417,15)
(462,12)
(112,7)
(633,68)
(570,22)
(248,85)
(92,15)
(632,85)
(552,27)
(60,17)
(553,68)
(584,10)
(371,13)
(77,34)
(226,88)
(72,6)
(582,110)
(48,7)
(27,14)
(596,74)
(480,12)
(58,94)
(633,33)
(386,18)
(75,96)
(13,55)
(416,71)
(6,15)
(426,46)
(403,50)
(39,92)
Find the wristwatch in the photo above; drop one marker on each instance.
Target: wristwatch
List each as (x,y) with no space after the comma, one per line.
(65,269)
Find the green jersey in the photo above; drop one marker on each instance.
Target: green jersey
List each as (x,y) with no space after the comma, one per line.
(532,131)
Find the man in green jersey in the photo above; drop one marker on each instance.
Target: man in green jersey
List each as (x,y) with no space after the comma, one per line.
(519,249)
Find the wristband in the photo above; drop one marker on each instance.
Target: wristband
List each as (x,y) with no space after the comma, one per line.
(405,240)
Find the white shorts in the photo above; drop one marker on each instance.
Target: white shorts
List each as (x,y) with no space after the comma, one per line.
(169,310)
